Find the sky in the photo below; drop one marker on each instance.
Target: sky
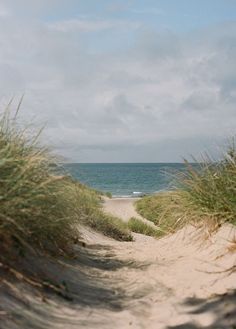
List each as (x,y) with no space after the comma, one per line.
(122,81)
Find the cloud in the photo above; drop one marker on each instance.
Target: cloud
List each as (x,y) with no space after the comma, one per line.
(130,104)
(4,11)
(149,11)
(119,6)
(95,25)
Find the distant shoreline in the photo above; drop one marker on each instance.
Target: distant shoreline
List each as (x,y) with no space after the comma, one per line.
(142,195)
(122,180)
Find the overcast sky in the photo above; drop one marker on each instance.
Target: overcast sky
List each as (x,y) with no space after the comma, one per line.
(122,81)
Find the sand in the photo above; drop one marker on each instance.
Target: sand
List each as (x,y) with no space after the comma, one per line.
(121,207)
(186,280)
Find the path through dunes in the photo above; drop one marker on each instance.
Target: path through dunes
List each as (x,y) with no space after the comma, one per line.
(174,282)
(121,207)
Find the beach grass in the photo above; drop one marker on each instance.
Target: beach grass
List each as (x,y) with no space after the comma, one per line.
(211,188)
(138,226)
(206,195)
(90,212)
(110,226)
(167,210)
(39,208)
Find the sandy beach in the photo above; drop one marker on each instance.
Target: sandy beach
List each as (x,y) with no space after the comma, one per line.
(188,270)
(185,280)
(121,207)
(124,98)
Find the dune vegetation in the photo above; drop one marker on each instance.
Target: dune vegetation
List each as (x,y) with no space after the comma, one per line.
(41,208)
(167,210)
(138,226)
(206,195)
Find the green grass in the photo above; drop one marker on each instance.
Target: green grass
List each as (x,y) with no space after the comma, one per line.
(40,209)
(206,196)
(138,226)
(89,210)
(110,226)
(212,189)
(167,210)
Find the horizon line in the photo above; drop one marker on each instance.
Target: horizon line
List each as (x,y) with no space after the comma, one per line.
(161,162)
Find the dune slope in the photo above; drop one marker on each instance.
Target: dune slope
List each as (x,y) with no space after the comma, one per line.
(186,280)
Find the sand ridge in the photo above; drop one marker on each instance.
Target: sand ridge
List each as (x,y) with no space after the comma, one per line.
(185,280)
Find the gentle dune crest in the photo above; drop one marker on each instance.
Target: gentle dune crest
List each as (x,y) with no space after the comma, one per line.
(178,280)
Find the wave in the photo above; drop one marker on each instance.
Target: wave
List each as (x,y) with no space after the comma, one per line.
(134,194)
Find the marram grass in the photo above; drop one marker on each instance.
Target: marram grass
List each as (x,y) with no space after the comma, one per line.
(206,195)
(138,226)
(90,213)
(167,210)
(38,208)
(212,188)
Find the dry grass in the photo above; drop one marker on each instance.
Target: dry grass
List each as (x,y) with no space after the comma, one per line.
(167,210)
(138,226)
(40,209)
(212,187)
(206,196)
(89,207)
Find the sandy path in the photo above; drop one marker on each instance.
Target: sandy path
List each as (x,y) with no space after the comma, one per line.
(179,281)
(121,207)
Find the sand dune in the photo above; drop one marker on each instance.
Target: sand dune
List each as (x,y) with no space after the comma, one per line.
(121,207)
(186,280)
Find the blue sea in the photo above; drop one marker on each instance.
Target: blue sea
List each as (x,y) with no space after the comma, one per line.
(126,179)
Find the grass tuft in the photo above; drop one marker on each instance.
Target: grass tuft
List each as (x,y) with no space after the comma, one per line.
(167,210)
(206,196)
(138,226)
(89,208)
(212,188)
(40,209)
(110,226)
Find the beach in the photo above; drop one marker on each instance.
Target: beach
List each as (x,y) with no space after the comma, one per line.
(187,273)
(118,164)
(184,280)
(121,207)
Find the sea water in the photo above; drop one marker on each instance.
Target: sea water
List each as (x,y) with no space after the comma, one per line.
(126,179)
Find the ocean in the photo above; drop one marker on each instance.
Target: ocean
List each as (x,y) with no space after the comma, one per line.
(125,179)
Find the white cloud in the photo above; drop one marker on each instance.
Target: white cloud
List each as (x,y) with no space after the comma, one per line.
(148,11)
(4,11)
(92,25)
(126,104)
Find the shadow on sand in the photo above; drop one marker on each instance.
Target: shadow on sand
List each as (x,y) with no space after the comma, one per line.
(85,283)
(222,307)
